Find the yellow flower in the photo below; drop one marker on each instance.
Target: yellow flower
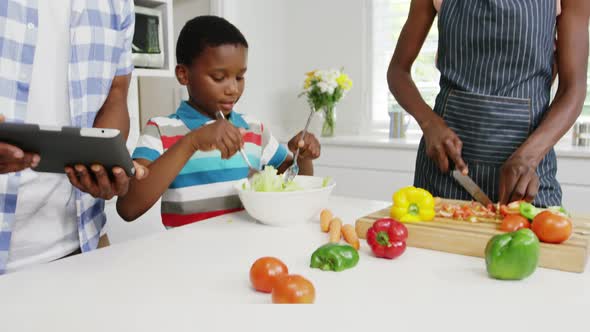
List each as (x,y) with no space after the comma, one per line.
(309,77)
(344,82)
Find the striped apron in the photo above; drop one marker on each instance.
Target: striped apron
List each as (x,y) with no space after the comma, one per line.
(495,59)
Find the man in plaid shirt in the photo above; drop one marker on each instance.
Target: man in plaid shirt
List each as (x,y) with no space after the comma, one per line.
(62,62)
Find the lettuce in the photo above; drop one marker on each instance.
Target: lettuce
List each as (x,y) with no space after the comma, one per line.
(269,181)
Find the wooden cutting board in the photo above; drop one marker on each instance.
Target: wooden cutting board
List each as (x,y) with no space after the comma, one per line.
(467,238)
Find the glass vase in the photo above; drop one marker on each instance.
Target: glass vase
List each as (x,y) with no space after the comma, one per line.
(329,114)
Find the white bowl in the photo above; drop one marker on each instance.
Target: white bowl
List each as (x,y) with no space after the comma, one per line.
(287,208)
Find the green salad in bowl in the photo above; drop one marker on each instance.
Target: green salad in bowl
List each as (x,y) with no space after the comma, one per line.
(269,200)
(268,180)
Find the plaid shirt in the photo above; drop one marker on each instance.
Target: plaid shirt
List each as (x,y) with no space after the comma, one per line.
(101,32)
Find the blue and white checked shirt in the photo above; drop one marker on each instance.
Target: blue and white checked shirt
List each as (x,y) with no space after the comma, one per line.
(101,33)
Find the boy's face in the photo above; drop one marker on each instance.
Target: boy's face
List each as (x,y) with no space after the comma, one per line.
(215,79)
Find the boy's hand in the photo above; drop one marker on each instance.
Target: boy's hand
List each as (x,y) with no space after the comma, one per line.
(220,135)
(309,147)
(98,184)
(13,159)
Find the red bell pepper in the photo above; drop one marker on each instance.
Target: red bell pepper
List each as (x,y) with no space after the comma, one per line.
(387,238)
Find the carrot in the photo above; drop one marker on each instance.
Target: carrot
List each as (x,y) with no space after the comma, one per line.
(350,236)
(335,230)
(325,218)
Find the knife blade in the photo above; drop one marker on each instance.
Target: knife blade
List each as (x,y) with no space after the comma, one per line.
(471,187)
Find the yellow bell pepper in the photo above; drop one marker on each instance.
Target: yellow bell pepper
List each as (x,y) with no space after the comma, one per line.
(412,204)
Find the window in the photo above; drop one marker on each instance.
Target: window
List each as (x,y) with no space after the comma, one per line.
(387,20)
(585,116)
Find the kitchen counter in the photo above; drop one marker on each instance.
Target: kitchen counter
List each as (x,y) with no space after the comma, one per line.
(161,277)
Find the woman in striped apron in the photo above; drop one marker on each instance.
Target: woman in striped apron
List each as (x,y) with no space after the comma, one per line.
(493,118)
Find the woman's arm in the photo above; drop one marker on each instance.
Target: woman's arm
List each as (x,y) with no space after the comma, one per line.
(399,77)
(517,180)
(441,142)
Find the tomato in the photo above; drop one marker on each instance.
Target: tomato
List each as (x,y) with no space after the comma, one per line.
(293,288)
(552,228)
(491,207)
(265,271)
(514,222)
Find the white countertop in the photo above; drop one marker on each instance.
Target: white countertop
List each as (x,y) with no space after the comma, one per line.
(562,149)
(158,279)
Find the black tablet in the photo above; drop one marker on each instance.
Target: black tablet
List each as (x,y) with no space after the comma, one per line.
(68,146)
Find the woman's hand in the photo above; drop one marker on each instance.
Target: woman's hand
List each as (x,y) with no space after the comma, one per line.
(518,180)
(443,144)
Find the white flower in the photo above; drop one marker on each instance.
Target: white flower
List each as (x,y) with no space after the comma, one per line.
(324,87)
(324,80)
(333,75)
(322,75)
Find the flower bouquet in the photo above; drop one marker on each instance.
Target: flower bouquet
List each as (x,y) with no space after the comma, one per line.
(324,89)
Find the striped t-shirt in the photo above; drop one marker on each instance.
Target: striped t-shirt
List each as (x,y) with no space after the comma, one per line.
(204,187)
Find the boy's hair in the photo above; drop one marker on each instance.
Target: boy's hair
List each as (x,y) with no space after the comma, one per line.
(205,31)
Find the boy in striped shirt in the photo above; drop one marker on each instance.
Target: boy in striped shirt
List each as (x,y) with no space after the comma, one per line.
(192,157)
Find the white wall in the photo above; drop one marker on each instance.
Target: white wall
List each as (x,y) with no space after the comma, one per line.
(289,38)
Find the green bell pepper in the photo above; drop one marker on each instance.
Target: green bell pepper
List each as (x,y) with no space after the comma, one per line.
(529,211)
(334,257)
(512,256)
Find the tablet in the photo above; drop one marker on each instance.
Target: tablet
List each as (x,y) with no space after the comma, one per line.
(69,146)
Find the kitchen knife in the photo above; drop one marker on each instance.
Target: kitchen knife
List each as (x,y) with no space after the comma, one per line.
(475,191)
